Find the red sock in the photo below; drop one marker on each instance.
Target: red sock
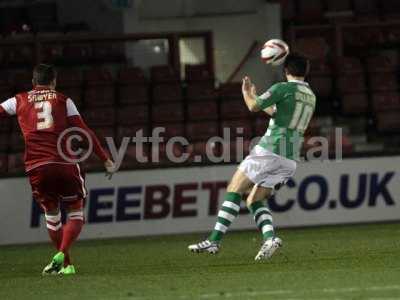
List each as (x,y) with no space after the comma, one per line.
(71,232)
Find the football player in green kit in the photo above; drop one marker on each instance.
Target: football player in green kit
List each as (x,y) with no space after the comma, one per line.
(273,160)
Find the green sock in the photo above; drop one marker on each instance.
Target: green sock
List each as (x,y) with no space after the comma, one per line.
(262,216)
(228,212)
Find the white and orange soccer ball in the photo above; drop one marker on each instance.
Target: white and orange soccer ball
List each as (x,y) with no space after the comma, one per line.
(274,52)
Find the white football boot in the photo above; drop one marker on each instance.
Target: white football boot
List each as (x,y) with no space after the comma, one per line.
(205,246)
(268,248)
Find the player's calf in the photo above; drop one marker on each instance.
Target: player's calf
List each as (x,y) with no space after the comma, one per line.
(71,229)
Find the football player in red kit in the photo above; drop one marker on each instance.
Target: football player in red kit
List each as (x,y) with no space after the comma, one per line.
(43,116)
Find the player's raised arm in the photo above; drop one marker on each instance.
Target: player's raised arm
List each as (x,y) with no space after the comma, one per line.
(8,107)
(252,100)
(249,95)
(75,120)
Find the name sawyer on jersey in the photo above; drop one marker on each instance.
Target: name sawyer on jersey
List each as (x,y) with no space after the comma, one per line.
(43,115)
(294,103)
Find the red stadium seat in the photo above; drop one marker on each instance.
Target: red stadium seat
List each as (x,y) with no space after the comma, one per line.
(383,82)
(22,81)
(310,11)
(349,65)
(98,77)
(168,112)
(167,92)
(365,7)
(99,116)
(203,110)
(164,74)
(234,109)
(339,5)
(69,78)
(93,164)
(231,90)
(388,121)
(108,52)
(201,130)
(74,93)
(386,101)
(4,142)
(3,164)
(322,85)
(133,115)
(354,103)
(288,10)
(320,68)
(131,76)
(198,73)
(261,125)
(381,64)
(5,125)
(103,132)
(171,129)
(391,6)
(133,94)
(351,84)
(17,141)
(99,95)
(131,131)
(77,53)
(16,163)
(314,128)
(203,90)
(315,48)
(240,128)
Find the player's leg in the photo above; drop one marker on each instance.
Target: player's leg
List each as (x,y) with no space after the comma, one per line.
(263,218)
(239,184)
(39,179)
(71,231)
(72,194)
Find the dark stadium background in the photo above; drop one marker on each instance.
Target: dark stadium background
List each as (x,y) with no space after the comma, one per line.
(134,65)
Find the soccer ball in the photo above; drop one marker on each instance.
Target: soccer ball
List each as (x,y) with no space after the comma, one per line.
(274,52)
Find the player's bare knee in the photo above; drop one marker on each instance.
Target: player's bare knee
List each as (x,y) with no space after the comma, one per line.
(258,193)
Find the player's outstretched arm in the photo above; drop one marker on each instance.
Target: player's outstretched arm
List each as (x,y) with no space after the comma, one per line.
(75,120)
(250,94)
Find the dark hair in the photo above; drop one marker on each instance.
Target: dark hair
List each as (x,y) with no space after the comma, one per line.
(44,74)
(297,65)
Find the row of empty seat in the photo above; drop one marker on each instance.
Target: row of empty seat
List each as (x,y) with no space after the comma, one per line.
(319,11)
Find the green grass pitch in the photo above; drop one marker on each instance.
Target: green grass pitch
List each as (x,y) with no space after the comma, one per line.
(345,262)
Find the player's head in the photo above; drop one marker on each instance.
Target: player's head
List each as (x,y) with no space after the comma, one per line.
(296,65)
(44,75)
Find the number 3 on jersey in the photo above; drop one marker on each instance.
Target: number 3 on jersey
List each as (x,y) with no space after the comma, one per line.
(44,116)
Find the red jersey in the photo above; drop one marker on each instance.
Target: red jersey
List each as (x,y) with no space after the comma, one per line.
(43,116)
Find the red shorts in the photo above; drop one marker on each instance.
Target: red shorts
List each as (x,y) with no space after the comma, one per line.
(55,183)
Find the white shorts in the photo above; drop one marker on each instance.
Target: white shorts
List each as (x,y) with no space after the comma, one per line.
(266,168)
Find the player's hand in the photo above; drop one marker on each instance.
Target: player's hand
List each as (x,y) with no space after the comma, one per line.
(248,87)
(110,168)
